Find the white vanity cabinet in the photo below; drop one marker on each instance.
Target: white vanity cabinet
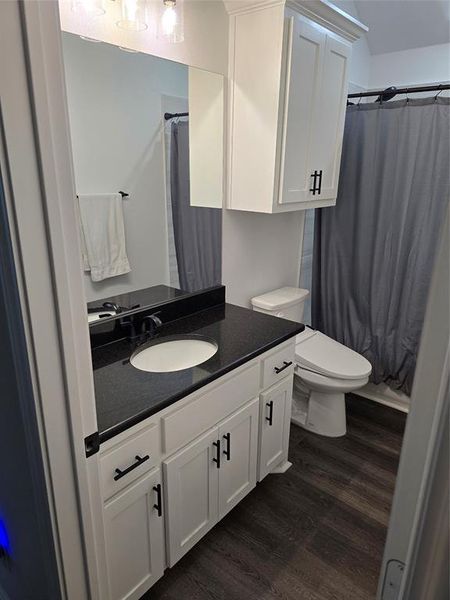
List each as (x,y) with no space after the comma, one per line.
(288,92)
(134,538)
(191,481)
(276,404)
(205,480)
(238,436)
(169,479)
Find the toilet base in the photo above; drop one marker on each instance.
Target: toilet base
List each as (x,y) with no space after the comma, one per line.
(324,414)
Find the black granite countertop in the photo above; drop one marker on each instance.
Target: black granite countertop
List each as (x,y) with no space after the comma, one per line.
(125,395)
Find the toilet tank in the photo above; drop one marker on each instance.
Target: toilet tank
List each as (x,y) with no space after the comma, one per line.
(286,302)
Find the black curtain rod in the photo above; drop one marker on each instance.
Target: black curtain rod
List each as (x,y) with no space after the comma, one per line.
(403,90)
(168,116)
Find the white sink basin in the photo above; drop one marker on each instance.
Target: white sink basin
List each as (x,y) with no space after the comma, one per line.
(170,355)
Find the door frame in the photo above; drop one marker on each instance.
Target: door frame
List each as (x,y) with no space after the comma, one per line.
(36,160)
(423,442)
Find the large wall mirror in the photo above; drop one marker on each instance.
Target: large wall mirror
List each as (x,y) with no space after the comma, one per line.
(153,130)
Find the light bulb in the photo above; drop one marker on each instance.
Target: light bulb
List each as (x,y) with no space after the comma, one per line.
(170,23)
(169,20)
(133,15)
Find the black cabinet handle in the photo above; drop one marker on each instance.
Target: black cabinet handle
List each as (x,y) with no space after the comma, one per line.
(227,450)
(285,366)
(316,187)
(158,505)
(217,459)
(270,417)
(138,462)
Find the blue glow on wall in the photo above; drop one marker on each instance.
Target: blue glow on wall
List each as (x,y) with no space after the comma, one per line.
(4,539)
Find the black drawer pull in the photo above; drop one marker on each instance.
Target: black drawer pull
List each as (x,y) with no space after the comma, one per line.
(217,459)
(138,462)
(285,366)
(227,450)
(270,417)
(158,505)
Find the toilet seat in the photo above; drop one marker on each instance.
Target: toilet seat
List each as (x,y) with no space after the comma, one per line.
(325,383)
(322,355)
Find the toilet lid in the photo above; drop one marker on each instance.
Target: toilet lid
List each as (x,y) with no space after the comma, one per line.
(319,353)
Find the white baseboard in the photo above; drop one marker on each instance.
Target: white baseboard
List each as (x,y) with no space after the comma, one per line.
(382,394)
(281,468)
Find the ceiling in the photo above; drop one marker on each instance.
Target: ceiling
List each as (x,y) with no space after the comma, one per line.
(404,24)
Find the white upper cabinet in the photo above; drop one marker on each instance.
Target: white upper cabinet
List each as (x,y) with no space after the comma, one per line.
(306,45)
(288,92)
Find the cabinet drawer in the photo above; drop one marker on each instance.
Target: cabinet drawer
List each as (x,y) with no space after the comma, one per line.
(133,457)
(276,366)
(185,424)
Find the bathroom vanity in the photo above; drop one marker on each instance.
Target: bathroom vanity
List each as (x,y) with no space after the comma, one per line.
(180,449)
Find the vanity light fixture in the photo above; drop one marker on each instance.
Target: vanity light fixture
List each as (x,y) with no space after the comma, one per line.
(171,21)
(133,16)
(90,8)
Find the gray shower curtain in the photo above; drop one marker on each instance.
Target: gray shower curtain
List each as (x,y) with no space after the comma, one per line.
(374,251)
(197,230)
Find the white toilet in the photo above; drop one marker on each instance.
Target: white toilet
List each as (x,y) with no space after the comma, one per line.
(325,370)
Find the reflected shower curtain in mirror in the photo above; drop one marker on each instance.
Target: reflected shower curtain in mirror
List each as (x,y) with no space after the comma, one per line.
(197,230)
(374,251)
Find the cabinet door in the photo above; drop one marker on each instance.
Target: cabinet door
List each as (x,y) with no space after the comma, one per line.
(274,426)
(239,446)
(134,536)
(304,56)
(329,125)
(191,480)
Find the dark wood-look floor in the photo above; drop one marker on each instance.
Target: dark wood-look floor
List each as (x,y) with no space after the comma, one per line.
(314,533)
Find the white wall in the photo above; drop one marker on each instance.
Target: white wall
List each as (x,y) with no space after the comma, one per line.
(428,64)
(417,66)
(261,252)
(116,123)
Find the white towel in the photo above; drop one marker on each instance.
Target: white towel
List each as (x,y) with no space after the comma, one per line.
(102,235)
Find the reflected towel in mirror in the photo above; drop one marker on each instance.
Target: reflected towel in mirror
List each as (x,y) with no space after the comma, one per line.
(103,235)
